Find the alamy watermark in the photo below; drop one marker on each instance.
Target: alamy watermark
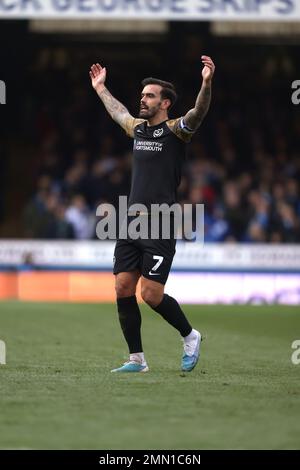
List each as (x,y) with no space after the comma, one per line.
(296,93)
(161,221)
(295,358)
(2,352)
(2,92)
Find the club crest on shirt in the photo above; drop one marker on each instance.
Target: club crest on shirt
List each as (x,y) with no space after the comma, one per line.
(158,132)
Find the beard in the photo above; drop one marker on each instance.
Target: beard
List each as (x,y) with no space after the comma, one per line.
(147,113)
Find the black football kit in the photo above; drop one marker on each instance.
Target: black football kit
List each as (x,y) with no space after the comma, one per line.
(158,156)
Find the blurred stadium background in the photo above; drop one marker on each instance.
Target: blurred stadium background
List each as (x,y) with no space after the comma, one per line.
(61,155)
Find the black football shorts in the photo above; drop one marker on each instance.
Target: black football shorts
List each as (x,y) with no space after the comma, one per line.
(153,258)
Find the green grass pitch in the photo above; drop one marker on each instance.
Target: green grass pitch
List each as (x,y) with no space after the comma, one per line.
(57,392)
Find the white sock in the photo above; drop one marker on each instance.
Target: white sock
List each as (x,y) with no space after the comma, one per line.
(191,336)
(138,357)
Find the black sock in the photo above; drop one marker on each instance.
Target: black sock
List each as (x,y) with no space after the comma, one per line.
(130,320)
(172,313)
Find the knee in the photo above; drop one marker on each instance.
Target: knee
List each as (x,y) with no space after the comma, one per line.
(151,296)
(124,288)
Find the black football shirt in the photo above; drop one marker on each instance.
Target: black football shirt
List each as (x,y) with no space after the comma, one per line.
(158,156)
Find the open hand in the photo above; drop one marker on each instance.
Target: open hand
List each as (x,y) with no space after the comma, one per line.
(98,75)
(209,68)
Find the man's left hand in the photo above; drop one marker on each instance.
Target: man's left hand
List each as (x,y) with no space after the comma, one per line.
(209,68)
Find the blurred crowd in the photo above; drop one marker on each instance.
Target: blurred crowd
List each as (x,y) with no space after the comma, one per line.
(243,164)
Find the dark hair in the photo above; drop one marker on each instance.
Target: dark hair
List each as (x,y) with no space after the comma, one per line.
(168,91)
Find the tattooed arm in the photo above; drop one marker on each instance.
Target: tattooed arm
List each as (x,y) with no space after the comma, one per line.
(117,110)
(195,116)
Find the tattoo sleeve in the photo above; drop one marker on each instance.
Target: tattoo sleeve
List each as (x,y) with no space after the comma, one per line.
(195,116)
(117,110)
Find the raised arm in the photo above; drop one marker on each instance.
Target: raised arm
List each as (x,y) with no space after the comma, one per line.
(117,110)
(195,116)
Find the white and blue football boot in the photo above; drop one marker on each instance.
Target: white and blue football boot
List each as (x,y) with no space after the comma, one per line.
(191,351)
(132,366)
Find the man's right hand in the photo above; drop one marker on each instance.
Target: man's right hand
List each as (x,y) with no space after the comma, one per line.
(98,76)
(116,109)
